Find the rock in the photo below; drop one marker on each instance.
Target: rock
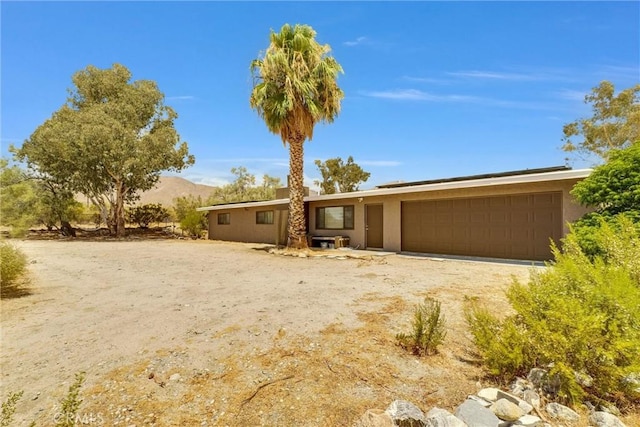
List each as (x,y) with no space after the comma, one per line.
(490,394)
(610,408)
(520,385)
(480,400)
(532,398)
(175,377)
(406,414)
(476,415)
(605,419)
(506,410)
(375,418)
(561,412)
(528,421)
(583,379)
(633,380)
(537,377)
(438,417)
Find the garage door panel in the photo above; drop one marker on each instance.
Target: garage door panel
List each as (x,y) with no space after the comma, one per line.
(511,226)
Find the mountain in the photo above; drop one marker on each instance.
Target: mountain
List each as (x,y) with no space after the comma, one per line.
(170,187)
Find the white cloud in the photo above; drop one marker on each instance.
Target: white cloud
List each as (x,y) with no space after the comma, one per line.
(417,95)
(359,41)
(570,95)
(495,75)
(180,98)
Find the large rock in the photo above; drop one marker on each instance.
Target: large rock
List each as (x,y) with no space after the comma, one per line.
(506,410)
(476,415)
(406,414)
(561,412)
(490,394)
(605,419)
(528,421)
(438,417)
(532,398)
(375,418)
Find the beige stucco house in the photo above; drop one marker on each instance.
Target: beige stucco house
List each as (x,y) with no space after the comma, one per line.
(511,215)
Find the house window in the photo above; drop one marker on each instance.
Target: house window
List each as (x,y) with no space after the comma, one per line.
(334,218)
(224,218)
(264,217)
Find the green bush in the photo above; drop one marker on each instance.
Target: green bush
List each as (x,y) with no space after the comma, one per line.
(580,317)
(428,329)
(13,263)
(144,215)
(194,223)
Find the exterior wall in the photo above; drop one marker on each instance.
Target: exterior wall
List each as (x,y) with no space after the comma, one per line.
(243,227)
(392,229)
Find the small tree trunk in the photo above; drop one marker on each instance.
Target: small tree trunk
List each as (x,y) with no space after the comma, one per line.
(297,224)
(118,213)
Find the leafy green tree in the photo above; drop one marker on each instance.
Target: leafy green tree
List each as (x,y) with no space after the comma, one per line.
(340,177)
(27,200)
(615,122)
(146,214)
(111,139)
(191,221)
(613,189)
(244,188)
(295,87)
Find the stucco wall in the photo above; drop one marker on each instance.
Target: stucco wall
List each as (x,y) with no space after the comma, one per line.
(243,227)
(392,208)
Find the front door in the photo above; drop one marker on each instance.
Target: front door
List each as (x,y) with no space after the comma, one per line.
(373,226)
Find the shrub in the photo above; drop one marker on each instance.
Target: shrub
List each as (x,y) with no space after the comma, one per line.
(428,329)
(13,263)
(70,404)
(146,214)
(580,316)
(9,408)
(194,223)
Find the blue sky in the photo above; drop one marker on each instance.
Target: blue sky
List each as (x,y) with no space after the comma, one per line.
(432,89)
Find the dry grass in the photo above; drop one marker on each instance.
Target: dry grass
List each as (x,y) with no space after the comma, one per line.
(326,380)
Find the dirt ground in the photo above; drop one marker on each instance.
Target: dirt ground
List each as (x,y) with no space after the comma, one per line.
(181,333)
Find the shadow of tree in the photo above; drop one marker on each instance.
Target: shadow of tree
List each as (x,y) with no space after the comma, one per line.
(15,290)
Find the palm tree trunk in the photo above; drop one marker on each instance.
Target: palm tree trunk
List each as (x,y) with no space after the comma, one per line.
(297,224)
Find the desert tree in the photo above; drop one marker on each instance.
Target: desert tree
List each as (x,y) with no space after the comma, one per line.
(340,177)
(111,139)
(294,88)
(615,122)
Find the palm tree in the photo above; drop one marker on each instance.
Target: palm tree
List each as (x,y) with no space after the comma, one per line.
(295,87)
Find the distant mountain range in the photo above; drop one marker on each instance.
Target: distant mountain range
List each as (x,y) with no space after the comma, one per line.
(170,187)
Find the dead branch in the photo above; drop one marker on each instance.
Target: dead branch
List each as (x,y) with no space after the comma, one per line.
(261,386)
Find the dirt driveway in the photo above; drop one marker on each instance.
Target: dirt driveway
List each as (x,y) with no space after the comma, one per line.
(207,333)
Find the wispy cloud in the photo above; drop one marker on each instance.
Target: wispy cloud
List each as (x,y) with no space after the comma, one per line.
(428,80)
(496,75)
(242,160)
(417,95)
(181,98)
(359,41)
(570,95)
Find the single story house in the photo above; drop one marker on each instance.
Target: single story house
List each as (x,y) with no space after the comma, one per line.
(510,215)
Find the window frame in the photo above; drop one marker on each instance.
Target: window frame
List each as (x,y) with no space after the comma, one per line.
(348,220)
(267,217)
(222,221)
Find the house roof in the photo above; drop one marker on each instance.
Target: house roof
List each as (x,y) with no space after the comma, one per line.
(505,178)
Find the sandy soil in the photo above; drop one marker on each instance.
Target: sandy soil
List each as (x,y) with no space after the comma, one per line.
(174,332)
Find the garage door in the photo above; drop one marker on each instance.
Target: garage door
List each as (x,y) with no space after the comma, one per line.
(514,226)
